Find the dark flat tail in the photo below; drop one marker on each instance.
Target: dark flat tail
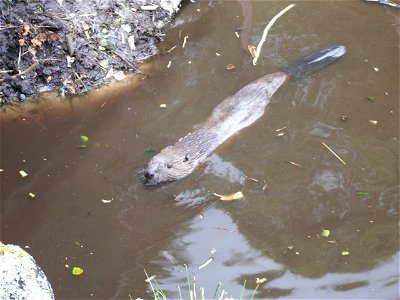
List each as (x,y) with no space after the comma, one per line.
(315,61)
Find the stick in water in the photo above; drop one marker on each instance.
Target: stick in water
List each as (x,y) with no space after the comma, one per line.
(264,36)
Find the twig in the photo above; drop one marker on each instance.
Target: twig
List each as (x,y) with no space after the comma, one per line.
(337,156)
(264,36)
(295,164)
(30,68)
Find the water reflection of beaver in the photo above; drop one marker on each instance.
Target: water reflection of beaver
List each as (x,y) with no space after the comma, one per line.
(230,116)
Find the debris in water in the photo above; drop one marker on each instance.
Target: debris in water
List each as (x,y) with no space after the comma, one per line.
(237,34)
(32,195)
(325,232)
(169,51)
(23,173)
(235,196)
(374,122)
(253,50)
(184,41)
(280,129)
(252,179)
(77,271)
(376,69)
(295,164)
(362,193)
(265,33)
(345,252)
(230,67)
(163,105)
(150,278)
(343,118)
(337,156)
(169,64)
(106,200)
(206,263)
(83,138)
(371,98)
(261,280)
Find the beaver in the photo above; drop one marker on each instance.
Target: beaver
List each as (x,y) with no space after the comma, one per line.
(230,116)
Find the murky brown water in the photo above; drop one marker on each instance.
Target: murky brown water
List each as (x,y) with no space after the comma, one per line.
(273,233)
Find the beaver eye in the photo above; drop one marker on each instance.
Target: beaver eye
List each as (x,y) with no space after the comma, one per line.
(169,166)
(186,158)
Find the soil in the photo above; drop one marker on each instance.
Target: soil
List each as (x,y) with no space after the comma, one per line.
(73,46)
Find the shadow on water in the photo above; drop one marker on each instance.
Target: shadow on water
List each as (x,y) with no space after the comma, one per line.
(91,209)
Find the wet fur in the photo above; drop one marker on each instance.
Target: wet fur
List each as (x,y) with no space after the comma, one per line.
(230,116)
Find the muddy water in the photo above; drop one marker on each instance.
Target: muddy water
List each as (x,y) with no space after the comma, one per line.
(275,230)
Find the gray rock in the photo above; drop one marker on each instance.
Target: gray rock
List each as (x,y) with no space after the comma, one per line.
(20,277)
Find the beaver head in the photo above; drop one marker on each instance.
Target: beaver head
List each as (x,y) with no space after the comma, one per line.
(169,165)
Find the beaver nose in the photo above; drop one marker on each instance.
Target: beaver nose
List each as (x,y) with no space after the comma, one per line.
(148,174)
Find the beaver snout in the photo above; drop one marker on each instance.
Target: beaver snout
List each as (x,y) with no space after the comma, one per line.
(148,174)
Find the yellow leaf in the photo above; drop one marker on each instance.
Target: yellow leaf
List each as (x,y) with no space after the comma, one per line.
(261,280)
(234,196)
(23,173)
(325,233)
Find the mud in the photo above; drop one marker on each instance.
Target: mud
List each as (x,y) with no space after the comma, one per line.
(75,46)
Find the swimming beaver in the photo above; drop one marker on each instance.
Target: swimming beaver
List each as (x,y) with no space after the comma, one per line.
(230,116)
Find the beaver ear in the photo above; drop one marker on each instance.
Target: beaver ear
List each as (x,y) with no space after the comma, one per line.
(186,158)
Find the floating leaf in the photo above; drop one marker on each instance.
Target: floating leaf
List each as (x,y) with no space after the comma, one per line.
(150,278)
(77,271)
(253,50)
(325,232)
(84,138)
(371,98)
(261,280)
(230,67)
(345,253)
(234,196)
(362,193)
(23,173)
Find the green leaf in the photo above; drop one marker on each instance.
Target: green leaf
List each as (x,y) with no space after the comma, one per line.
(371,98)
(84,138)
(362,193)
(77,271)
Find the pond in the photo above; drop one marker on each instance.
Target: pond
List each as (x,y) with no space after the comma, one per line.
(91,209)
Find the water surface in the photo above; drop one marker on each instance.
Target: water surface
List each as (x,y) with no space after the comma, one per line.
(275,230)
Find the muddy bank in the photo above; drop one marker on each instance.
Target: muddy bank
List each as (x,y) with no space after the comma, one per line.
(75,46)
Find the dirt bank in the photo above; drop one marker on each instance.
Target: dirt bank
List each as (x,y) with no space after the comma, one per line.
(73,45)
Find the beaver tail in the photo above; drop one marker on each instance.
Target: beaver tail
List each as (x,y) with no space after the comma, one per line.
(315,61)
